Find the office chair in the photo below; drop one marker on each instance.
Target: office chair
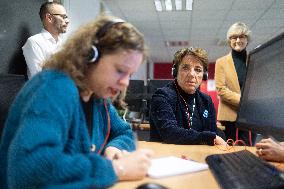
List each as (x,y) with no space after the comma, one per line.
(135,99)
(10,85)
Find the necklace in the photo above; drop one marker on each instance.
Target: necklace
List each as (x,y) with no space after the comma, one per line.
(189,116)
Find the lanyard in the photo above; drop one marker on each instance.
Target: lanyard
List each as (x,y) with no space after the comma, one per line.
(189,116)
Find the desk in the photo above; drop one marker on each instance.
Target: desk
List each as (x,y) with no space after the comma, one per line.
(203,179)
(141,126)
(145,126)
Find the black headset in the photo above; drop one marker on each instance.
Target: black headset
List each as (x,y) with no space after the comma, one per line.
(175,72)
(95,54)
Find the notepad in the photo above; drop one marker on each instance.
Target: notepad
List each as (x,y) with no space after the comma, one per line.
(171,166)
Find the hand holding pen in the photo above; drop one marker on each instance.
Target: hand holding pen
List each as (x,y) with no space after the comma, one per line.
(112,153)
(130,165)
(115,153)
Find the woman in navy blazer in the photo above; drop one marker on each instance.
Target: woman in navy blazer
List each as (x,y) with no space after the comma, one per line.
(180,113)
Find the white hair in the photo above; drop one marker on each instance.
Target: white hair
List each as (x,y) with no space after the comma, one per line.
(238,28)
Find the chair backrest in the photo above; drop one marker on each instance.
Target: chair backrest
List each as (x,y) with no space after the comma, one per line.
(10,85)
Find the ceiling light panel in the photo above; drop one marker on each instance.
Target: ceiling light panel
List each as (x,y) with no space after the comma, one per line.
(188,4)
(173,5)
(168,4)
(158,5)
(178,4)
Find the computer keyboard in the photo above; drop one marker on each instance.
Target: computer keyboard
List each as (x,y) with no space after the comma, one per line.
(244,170)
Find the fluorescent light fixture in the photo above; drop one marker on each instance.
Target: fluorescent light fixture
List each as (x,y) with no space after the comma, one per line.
(168,4)
(178,4)
(188,4)
(158,5)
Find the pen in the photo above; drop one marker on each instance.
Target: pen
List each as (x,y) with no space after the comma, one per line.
(186,158)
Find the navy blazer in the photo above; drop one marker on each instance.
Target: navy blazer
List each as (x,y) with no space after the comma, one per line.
(169,122)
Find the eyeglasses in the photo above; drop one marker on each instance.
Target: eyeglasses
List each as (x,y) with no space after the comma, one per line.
(63,16)
(235,37)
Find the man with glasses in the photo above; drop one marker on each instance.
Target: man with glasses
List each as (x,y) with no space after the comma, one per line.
(40,46)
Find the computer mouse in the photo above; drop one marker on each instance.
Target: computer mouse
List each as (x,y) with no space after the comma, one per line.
(151,186)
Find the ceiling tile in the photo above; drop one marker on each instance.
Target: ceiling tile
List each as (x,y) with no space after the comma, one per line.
(206,25)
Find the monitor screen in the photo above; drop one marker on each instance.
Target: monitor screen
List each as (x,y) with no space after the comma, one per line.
(262,102)
(154,84)
(134,95)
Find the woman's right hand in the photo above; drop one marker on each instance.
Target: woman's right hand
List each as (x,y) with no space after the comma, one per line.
(219,141)
(133,166)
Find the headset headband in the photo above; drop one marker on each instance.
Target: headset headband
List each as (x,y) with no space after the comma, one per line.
(95,51)
(103,30)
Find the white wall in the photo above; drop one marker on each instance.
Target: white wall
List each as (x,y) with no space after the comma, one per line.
(80,12)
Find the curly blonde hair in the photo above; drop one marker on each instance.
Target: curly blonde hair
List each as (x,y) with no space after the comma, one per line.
(74,57)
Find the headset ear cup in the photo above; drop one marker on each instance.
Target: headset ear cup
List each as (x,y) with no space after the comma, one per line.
(174,71)
(95,54)
(205,76)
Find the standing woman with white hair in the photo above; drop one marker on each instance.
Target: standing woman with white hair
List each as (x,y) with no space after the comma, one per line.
(230,73)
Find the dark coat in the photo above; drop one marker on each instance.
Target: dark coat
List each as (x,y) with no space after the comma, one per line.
(169,122)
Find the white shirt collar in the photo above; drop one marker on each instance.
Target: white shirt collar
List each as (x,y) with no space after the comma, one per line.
(48,36)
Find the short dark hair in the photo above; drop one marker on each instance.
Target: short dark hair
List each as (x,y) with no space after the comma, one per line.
(44,8)
(198,53)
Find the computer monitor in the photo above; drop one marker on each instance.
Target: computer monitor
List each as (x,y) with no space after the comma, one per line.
(154,84)
(262,102)
(135,94)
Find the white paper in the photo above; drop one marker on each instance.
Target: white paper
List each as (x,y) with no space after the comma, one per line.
(170,166)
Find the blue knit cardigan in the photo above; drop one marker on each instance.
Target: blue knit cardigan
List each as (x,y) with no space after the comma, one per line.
(168,120)
(46,144)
